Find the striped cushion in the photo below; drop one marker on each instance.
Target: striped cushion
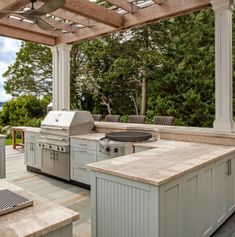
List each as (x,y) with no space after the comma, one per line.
(164,120)
(136,118)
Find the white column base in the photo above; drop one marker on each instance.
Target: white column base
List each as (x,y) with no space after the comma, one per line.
(224,126)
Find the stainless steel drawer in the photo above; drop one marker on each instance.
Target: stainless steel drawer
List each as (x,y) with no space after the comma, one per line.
(86,144)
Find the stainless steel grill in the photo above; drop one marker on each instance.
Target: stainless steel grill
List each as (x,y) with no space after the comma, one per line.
(56,129)
(10,201)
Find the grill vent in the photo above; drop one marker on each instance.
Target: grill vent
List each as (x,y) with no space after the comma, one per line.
(10,201)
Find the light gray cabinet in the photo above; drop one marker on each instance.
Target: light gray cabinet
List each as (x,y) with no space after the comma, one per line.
(194,204)
(32,150)
(82,152)
(2,159)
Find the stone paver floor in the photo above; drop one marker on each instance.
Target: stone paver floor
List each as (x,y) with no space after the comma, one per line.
(70,196)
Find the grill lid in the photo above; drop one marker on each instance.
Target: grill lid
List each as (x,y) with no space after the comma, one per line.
(128,136)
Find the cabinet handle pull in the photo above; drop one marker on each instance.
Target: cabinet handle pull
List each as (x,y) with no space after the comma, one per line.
(83,144)
(230,166)
(227,171)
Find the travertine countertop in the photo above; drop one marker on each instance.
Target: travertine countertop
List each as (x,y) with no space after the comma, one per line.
(40,219)
(167,161)
(90,136)
(32,129)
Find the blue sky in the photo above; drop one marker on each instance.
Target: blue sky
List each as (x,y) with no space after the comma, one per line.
(8,49)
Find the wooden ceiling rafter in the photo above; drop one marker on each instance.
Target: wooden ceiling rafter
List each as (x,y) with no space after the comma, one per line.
(125,5)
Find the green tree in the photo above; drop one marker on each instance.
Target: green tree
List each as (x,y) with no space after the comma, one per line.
(24,110)
(32,71)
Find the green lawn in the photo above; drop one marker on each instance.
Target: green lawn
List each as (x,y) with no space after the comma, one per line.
(9,141)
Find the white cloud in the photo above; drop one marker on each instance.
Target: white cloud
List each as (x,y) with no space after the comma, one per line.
(8,49)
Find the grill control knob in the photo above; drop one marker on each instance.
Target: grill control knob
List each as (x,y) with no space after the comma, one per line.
(58,148)
(115,150)
(107,149)
(43,145)
(62,149)
(50,147)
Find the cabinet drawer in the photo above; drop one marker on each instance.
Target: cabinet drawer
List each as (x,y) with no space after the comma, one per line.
(80,174)
(86,144)
(31,135)
(83,157)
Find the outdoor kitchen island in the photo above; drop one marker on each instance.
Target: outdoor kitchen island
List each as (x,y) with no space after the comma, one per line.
(175,189)
(44,218)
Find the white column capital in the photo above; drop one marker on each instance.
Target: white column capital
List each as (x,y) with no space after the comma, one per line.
(222,5)
(54,49)
(64,47)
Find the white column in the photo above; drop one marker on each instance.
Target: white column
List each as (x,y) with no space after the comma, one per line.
(223,56)
(61,76)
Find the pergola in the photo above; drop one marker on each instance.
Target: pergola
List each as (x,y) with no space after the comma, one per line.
(81,20)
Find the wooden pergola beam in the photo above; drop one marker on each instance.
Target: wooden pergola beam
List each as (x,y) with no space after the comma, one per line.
(20,34)
(95,12)
(124,4)
(29,27)
(147,15)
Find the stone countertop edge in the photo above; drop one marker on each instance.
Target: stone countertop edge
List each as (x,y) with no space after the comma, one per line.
(32,129)
(2,136)
(36,228)
(156,181)
(197,131)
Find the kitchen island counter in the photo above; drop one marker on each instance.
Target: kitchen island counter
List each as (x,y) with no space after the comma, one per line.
(166,161)
(174,189)
(43,218)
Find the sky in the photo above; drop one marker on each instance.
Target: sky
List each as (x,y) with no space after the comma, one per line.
(8,49)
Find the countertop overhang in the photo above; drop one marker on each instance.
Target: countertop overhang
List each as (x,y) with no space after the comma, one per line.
(43,217)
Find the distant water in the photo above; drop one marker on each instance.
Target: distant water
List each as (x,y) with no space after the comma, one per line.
(0,108)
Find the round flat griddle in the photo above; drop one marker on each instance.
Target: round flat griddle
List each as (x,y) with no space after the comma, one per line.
(128,136)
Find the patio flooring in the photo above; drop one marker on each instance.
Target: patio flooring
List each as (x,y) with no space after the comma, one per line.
(70,196)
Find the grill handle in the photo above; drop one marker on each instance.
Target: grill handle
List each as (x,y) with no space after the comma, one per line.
(55,138)
(54,128)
